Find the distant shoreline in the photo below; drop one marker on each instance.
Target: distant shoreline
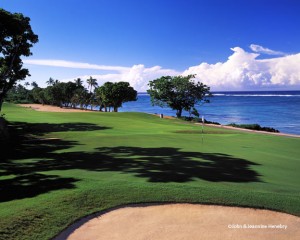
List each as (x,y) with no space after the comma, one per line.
(49,108)
(242,91)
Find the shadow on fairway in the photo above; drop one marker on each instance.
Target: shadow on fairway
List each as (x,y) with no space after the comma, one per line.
(26,150)
(163,164)
(31,185)
(42,128)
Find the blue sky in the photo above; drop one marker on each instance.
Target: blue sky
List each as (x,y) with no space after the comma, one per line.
(229,44)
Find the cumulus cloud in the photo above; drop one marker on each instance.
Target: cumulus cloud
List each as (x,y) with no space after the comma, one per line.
(138,76)
(261,49)
(241,71)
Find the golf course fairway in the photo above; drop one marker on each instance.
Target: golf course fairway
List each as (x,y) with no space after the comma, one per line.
(59,167)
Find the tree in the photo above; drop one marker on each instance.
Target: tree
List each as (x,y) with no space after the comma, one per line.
(38,95)
(16,39)
(56,82)
(34,84)
(115,94)
(69,89)
(53,95)
(92,82)
(60,94)
(18,94)
(78,82)
(105,94)
(50,82)
(178,92)
(27,84)
(80,97)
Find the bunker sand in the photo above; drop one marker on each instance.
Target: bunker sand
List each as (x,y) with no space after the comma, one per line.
(187,221)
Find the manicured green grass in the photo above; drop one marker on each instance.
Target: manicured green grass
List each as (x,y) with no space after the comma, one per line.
(63,166)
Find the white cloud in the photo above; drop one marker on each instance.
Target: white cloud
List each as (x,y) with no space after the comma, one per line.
(138,76)
(261,49)
(241,71)
(69,64)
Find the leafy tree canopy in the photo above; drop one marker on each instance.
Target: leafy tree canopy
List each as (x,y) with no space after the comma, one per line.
(19,94)
(16,39)
(115,94)
(178,92)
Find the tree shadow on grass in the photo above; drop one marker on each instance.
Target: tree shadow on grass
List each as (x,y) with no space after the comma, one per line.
(42,128)
(27,146)
(31,185)
(163,164)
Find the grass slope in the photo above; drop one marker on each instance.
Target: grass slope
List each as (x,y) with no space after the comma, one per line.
(62,166)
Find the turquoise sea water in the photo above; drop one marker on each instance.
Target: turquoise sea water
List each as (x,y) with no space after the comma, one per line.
(277,109)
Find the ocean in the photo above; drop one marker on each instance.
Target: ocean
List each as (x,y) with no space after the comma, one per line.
(276,109)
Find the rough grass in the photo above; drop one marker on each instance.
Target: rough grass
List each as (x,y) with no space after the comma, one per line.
(59,167)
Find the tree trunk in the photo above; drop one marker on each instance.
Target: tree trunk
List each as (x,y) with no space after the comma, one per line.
(1,101)
(179,112)
(115,109)
(3,91)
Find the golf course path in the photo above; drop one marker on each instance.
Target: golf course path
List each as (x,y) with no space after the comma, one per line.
(187,221)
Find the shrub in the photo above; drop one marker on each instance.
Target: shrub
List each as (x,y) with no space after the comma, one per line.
(256,127)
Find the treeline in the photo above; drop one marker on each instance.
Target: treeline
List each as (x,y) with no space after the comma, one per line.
(108,97)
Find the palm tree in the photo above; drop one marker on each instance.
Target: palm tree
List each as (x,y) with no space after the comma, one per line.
(92,82)
(34,84)
(26,84)
(81,97)
(78,82)
(76,100)
(55,82)
(50,82)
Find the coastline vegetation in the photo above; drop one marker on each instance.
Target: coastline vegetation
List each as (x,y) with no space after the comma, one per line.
(108,97)
(256,127)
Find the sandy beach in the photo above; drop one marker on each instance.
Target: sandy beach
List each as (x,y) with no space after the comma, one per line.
(186,221)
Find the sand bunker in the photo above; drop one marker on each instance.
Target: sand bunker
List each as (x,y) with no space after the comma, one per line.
(187,221)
